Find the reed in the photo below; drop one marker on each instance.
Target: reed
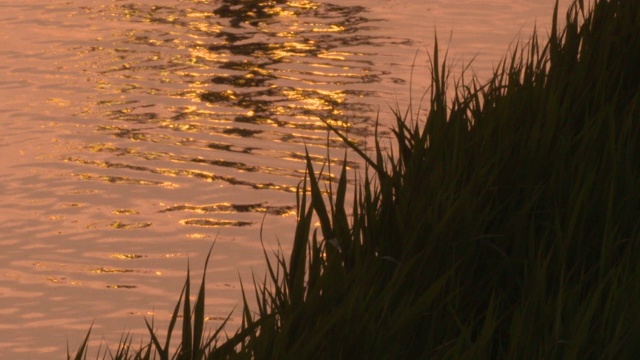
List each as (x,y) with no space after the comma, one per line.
(507,225)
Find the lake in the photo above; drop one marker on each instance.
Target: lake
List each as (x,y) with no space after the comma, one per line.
(135,134)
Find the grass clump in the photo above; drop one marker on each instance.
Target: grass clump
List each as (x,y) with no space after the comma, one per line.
(506,226)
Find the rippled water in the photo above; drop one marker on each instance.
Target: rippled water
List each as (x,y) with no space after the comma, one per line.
(135,133)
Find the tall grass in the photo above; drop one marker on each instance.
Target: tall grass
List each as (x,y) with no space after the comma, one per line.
(506,226)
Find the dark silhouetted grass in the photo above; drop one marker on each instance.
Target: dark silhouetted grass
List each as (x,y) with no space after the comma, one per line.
(506,225)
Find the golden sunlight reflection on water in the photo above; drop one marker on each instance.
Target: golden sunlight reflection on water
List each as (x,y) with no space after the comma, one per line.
(135,133)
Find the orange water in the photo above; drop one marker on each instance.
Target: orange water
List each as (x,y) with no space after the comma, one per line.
(135,133)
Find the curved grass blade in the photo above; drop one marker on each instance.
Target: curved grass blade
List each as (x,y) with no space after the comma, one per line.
(82,351)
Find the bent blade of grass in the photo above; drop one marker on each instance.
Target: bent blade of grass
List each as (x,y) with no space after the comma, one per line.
(317,202)
(187,340)
(340,222)
(353,146)
(296,275)
(213,337)
(164,351)
(82,351)
(247,331)
(198,316)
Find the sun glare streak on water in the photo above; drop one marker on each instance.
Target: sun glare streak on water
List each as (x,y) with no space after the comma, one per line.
(134,133)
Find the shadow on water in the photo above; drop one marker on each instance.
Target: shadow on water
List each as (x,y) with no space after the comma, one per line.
(292,61)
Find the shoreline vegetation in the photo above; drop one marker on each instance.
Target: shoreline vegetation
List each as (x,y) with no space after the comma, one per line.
(506,226)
